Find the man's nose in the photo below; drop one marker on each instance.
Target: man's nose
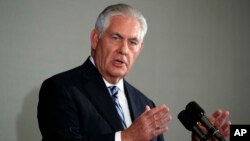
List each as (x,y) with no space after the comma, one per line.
(124,47)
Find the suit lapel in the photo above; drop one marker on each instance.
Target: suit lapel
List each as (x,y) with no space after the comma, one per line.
(104,104)
(135,106)
(99,95)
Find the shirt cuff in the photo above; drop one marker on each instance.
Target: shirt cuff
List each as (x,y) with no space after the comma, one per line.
(118,136)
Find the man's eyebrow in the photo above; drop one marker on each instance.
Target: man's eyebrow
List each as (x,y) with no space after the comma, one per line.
(134,38)
(120,36)
(117,34)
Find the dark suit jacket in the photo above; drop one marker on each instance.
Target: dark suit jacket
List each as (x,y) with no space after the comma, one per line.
(76,106)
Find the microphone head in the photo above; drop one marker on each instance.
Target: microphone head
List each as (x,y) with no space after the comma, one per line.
(187,121)
(195,110)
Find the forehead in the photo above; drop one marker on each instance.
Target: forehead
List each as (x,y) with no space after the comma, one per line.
(125,26)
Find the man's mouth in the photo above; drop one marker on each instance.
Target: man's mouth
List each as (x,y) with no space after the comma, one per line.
(119,62)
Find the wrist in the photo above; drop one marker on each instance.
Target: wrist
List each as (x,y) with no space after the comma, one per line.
(125,136)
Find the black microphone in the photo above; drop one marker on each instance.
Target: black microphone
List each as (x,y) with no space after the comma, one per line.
(199,115)
(191,125)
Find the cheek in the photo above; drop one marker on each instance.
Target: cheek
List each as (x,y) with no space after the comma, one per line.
(135,55)
(105,55)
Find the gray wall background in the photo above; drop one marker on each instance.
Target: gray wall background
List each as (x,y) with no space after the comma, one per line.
(194,50)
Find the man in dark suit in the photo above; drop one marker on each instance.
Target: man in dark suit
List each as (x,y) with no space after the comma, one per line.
(94,102)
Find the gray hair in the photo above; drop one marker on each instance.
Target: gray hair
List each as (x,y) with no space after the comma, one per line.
(103,19)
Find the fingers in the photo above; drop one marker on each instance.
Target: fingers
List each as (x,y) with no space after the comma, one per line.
(225,129)
(149,124)
(158,117)
(160,122)
(220,119)
(158,110)
(156,114)
(160,131)
(215,115)
(226,125)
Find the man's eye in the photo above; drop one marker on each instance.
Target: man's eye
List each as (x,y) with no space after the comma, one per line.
(133,43)
(115,38)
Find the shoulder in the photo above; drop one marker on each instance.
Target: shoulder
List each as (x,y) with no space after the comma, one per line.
(65,77)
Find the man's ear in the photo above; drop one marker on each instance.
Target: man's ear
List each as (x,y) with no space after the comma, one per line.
(142,45)
(94,37)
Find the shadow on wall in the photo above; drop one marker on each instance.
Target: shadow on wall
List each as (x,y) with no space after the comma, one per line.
(26,124)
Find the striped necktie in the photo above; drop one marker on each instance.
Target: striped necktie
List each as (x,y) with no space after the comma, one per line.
(114,91)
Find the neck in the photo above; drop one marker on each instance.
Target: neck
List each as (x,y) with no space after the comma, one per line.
(112,80)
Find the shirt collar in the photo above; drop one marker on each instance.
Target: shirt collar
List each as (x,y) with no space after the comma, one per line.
(92,60)
(119,84)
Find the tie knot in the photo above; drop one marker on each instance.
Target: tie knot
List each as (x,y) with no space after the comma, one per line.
(113,90)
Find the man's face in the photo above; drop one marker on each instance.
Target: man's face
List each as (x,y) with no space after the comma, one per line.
(116,50)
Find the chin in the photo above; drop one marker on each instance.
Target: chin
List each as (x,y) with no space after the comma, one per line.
(119,73)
